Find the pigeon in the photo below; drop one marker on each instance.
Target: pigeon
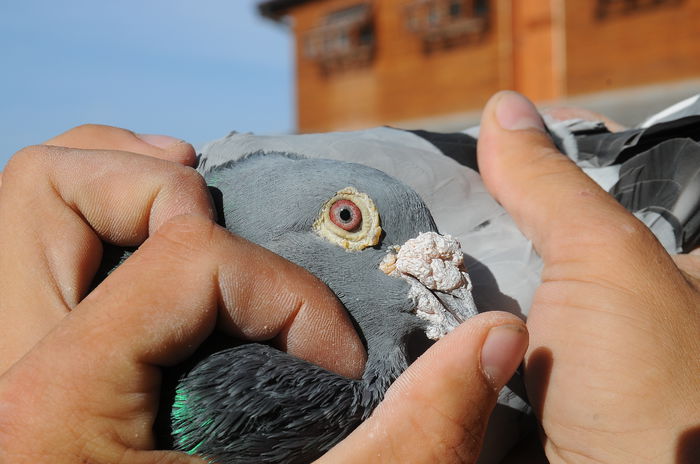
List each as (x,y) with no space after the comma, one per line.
(372,241)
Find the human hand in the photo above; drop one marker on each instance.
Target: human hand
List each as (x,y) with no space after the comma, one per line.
(92,184)
(61,199)
(79,197)
(88,391)
(612,369)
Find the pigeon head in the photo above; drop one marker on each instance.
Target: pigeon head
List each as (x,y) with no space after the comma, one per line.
(372,240)
(357,229)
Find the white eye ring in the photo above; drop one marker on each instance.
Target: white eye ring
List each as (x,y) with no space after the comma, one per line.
(365,235)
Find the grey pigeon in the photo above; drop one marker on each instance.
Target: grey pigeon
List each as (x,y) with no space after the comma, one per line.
(252,403)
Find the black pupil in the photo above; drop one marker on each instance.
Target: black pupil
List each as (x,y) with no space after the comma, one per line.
(345,214)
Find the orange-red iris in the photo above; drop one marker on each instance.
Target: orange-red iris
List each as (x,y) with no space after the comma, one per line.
(346,215)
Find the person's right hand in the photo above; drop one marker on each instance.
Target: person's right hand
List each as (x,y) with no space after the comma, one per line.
(613,367)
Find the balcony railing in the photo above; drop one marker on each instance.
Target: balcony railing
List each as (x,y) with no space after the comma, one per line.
(344,40)
(611,8)
(445,23)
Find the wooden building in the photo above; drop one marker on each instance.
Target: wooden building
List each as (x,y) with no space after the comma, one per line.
(433,63)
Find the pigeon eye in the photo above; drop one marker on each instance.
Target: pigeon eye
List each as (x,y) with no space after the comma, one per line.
(349,219)
(346,215)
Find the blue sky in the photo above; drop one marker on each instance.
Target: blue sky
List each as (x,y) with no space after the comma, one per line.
(191,69)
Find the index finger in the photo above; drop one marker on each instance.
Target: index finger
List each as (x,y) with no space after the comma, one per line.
(101,137)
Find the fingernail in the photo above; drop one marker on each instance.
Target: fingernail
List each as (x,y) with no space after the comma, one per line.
(160,141)
(515,112)
(695,252)
(502,352)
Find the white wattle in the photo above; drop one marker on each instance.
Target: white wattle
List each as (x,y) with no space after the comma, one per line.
(433,259)
(434,262)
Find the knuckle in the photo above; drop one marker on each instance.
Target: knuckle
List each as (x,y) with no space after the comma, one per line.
(27,161)
(89,129)
(185,178)
(26,156)
(93,136)
(185,186)
(454,436)
(454,442)
(628,232)
(470,444)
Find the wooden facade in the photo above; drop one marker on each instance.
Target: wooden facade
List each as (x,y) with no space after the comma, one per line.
(363,63)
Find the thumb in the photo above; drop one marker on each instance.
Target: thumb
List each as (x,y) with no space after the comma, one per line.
(437,411)
(563,211)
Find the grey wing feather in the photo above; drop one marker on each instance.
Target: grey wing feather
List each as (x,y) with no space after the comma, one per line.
(255,404)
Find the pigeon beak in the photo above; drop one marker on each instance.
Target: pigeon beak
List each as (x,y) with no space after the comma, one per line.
(440,287)
(443,311)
